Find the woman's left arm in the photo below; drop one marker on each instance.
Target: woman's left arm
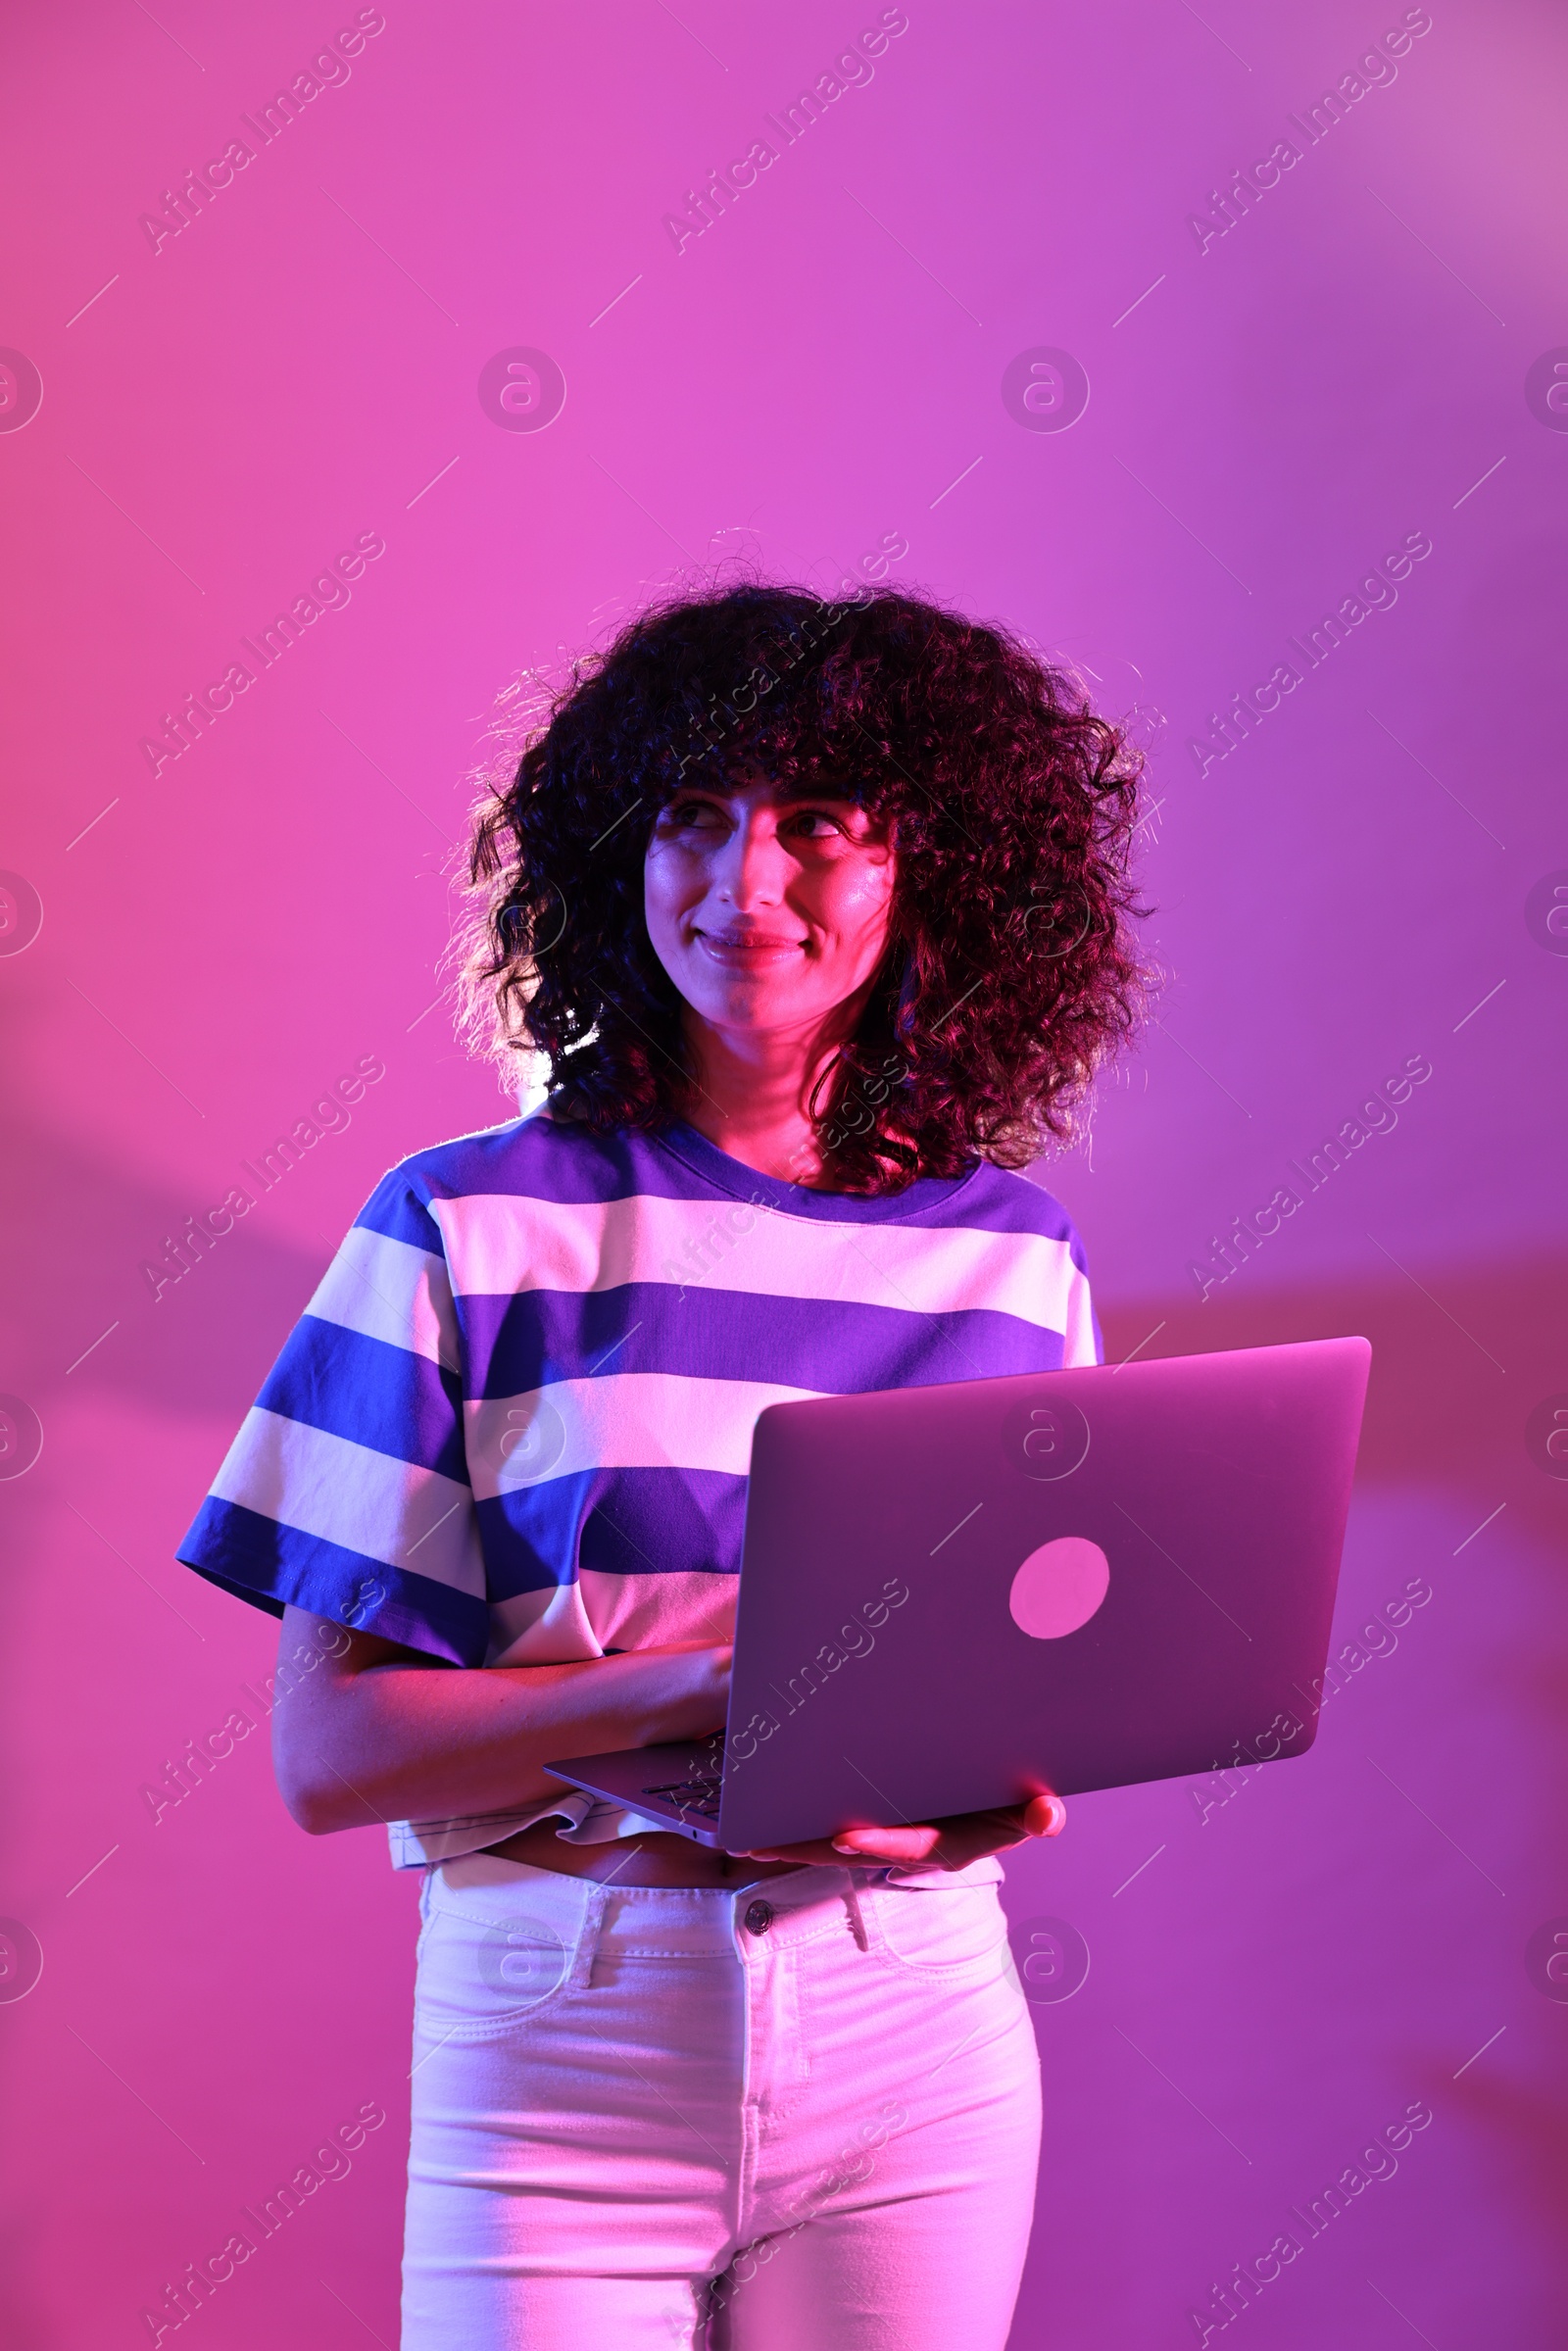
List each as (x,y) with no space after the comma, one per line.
(945,1845)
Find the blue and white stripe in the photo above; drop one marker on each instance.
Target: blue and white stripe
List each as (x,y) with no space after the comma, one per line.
(515,1420)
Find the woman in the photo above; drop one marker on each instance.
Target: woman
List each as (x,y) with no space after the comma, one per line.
(820,917)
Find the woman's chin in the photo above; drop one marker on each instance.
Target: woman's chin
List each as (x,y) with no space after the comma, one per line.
(750,1000)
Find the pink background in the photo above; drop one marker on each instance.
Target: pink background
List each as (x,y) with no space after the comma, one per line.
(814,378)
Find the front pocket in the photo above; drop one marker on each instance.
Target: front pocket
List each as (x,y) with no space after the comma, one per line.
(476,1976)
(953,1934)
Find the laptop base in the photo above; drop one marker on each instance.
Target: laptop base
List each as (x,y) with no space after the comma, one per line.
(675,1785)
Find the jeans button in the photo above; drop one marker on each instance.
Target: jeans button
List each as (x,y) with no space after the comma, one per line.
(760,1917)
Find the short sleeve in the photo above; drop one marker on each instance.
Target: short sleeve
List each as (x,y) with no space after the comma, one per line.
(346,1491)
(1081,1339)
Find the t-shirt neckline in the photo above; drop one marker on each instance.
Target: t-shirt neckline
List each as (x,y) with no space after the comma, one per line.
(683,1142)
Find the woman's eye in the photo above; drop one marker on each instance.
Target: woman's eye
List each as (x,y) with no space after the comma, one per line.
(817,825)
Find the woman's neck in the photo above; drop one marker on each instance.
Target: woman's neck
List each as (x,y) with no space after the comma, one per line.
(754,1088)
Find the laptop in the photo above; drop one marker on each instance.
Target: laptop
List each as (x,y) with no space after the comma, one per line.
(955,1597)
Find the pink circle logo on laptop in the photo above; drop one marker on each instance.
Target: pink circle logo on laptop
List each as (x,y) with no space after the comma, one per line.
(1058,1588)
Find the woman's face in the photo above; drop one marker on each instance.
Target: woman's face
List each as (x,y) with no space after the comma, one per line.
(768,912)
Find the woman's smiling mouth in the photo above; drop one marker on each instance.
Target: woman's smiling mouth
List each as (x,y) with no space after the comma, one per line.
(748,951)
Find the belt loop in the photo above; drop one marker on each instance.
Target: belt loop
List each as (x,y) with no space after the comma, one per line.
(851,1896)
(595,1903)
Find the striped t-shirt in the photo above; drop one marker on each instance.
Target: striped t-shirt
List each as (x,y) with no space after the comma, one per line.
(514,1424)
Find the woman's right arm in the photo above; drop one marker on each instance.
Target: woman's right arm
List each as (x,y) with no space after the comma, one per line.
(375,1731)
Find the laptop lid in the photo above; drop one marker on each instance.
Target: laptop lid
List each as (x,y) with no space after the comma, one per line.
(950,1597)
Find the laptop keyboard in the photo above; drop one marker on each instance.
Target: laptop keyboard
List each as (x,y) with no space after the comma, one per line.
(691,1795)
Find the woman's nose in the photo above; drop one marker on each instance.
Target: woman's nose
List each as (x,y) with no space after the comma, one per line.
(749,866)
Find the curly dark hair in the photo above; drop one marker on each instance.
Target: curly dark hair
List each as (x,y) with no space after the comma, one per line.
(1011,971)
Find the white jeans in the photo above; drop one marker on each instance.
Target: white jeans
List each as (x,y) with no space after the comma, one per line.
(800,2116)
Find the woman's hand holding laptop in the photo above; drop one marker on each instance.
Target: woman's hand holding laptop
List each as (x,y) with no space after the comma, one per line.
(949,1845)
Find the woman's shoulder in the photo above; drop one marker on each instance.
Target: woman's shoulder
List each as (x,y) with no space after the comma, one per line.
(1007,1199)
(546,1156)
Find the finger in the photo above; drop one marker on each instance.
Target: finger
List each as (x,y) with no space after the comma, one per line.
(889,1844)
(1045,1816)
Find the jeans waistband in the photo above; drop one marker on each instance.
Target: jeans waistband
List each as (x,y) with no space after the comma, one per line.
(668,1920)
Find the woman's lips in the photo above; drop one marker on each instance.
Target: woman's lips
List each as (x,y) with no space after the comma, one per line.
(744,952)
